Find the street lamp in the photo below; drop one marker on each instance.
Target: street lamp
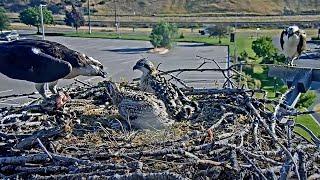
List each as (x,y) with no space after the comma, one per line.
(257,33)
(116,23)
(42,24)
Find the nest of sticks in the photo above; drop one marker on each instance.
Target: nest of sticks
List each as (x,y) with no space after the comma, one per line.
(238,134)
(235,136)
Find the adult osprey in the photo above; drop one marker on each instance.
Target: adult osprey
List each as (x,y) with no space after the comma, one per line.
(45,62)
(178,105)
(293,42)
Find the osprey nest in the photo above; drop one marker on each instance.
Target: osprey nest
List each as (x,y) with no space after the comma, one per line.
(235,135)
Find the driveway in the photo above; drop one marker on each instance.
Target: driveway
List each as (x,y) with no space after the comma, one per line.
(119,56)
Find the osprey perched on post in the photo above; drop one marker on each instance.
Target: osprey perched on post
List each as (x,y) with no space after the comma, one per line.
(293,42)
(178,105)
(45,62)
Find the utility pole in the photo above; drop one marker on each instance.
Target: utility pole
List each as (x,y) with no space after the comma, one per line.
(228,66)
(89,20)
(116,23)
(42,24)
(235,47)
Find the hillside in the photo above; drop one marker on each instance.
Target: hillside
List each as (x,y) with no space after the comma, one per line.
(149,7)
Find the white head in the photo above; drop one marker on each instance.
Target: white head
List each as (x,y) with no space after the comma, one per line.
(93,67)
(293,31)
(146,66)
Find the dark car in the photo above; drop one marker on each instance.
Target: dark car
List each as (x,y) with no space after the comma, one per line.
(9,35)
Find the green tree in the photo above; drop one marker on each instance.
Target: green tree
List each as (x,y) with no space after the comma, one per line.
(244,56)
(4,19)
(248,81)
(74,18)
(32,17)
(265,49)
(217,31)
(307,99)
(163,34)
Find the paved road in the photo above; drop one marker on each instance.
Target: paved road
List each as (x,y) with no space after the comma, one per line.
(119,56)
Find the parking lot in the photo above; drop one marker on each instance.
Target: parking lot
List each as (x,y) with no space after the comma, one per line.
(119,56)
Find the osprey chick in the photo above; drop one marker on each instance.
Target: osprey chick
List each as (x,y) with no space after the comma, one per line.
(293,42)
(178,105)
(140,110)
(45,62)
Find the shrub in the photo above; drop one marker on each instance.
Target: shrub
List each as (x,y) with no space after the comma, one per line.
(217,31)
(74,18)
(163,35)
(307,99)
(263,47)
(4,19)
(249,82)
(244,56)
(181,35)
(32,17)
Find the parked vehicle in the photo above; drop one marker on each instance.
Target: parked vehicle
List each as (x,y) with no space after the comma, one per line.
(9,35)
(206,30)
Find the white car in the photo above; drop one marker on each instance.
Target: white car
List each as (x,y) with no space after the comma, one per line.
(9,35)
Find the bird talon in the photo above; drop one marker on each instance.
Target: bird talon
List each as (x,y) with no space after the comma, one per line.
(61,99)
(46,67)
(210,135)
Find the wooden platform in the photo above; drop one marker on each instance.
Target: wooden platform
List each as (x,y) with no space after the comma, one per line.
(299,77)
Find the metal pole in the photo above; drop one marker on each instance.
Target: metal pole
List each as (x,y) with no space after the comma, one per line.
(228,67)
(42,24)
(235,47)
(89,19)
(115,15)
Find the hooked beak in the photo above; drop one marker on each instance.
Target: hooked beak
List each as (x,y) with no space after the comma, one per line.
(135,67)
(103,74)
(290,33)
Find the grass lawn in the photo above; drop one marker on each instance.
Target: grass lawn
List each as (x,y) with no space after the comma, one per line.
(107,35)
(243,41)
(309,122)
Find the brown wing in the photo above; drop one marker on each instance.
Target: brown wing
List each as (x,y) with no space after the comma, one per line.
(302,46)
(54,49)
(31,66)
(284,32)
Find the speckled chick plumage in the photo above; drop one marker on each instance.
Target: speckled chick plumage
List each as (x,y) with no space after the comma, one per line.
(141,109)
(178,105)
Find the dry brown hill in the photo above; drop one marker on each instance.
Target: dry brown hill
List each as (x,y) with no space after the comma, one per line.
(149,7)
